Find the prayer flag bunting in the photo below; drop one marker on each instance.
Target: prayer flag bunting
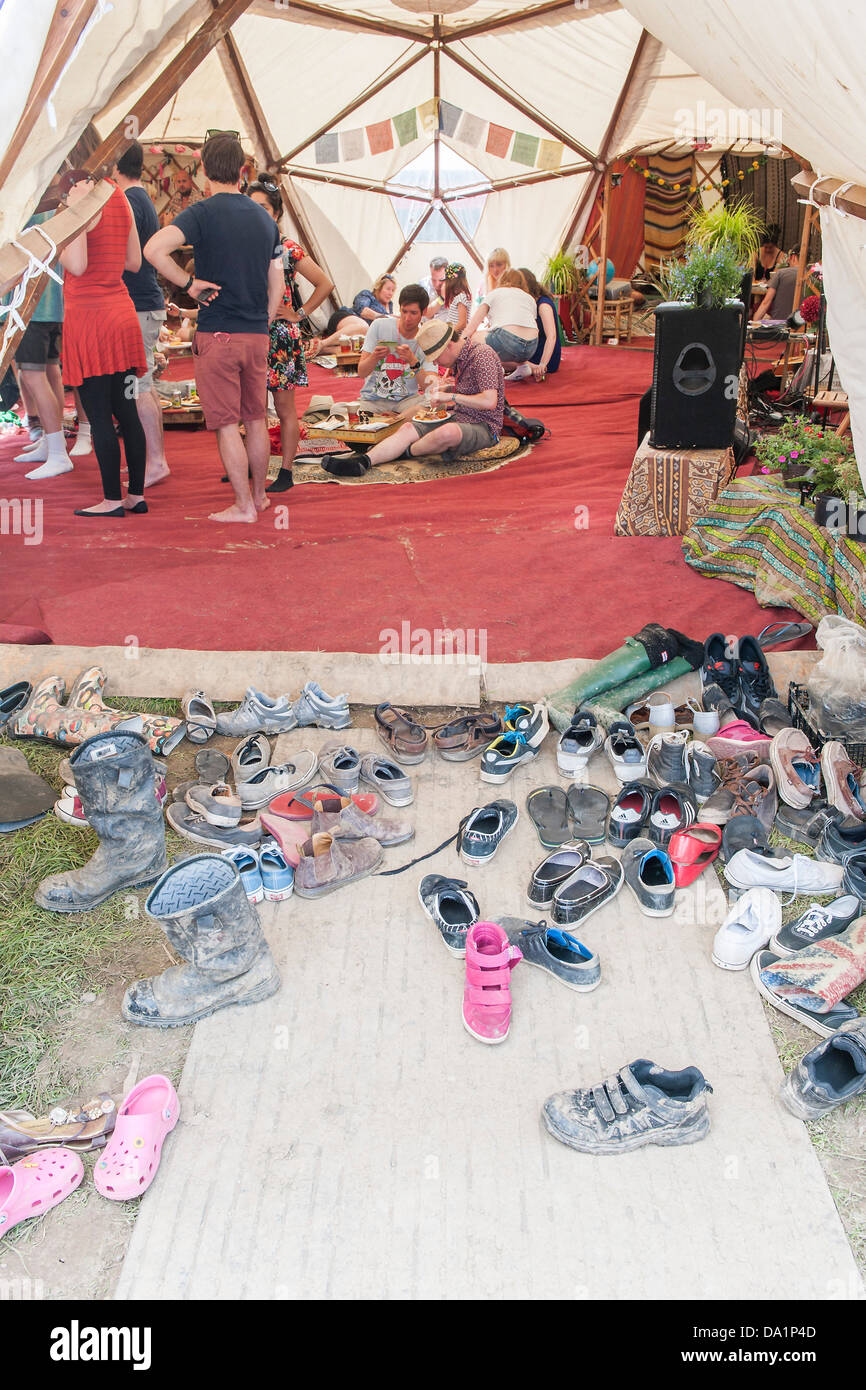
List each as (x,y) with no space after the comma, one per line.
(499,139)
(380,137)
(525,149)
(448,117)
(406,126)
(470,129)
(428,115)
(550,154)
(352,145)
(328,149)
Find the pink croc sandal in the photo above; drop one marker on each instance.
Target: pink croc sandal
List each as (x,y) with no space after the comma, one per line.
(131,1158)
(37,1183)
(487,993)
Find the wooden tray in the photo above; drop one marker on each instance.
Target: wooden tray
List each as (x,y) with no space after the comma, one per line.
(353,436)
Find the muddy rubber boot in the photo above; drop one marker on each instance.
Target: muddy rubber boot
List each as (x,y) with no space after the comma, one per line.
(204,911)
(115,776)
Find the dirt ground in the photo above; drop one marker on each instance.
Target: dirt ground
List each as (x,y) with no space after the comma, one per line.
(77,1250)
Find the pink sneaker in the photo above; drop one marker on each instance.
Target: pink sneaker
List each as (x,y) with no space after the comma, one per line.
(487,993)
(738,737)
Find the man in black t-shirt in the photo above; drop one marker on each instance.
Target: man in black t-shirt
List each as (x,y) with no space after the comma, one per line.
(149,304)
(239,283)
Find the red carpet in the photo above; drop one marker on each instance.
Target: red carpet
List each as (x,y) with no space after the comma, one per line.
(511,553)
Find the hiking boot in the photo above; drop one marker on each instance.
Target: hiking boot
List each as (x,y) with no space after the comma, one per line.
(798,772)
(481,832)
(833,1072)
(626,753)
(202,907)
(115,777)
(452,906)
(641,1104)
(559,865)
(731,772)
(313,706)
(339,815)
(667,758)
(326,864)
(753,673)
(557,952)
(672,809)
(258,714)
(577,745)
(825,1024)
(650,877)
(490,958)
(845,781)
(719,669)
(816,924)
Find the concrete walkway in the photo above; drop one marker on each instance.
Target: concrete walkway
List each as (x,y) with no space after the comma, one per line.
(348,1138)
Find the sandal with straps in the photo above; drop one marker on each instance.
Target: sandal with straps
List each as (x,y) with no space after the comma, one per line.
(402,735)
(81,1129)
(463,738)
(490,959)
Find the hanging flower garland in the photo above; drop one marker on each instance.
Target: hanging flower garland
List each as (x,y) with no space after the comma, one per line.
(706,185)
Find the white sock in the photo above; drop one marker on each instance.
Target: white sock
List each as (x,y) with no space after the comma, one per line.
(83,443)
(56,445)
(51,468)
(33,453)
(35,432)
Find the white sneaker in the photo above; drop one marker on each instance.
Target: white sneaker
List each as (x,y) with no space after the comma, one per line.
(625,750)
(795,874)
(747,928)
(520,373)
(576,746)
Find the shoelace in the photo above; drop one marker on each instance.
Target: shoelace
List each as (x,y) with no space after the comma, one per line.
(759,683)
(514,712)
(813,921)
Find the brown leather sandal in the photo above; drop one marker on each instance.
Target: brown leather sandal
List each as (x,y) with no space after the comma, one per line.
(83,1128)
(402,735)
(463,738)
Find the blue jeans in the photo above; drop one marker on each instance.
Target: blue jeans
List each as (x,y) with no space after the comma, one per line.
(510,347)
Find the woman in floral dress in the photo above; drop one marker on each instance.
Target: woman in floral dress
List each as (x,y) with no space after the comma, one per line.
(287,366)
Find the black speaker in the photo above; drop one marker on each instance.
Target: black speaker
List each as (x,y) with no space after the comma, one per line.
(696,366)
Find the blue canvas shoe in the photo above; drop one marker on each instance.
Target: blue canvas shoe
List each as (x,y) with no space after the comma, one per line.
(277,874)
(557,952)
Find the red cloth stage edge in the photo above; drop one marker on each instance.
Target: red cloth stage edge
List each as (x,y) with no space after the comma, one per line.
(523,558)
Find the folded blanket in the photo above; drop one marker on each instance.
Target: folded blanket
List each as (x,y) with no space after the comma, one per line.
(822,975)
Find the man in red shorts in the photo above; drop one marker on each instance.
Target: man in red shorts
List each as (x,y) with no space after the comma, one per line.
(239,284)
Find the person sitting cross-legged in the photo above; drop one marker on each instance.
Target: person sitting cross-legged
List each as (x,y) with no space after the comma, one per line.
(392,363)
(475,388)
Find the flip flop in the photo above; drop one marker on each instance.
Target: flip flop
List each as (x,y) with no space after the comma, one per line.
(131,1158)
(402,735)
(81,1129)
(35,1184)
(692,850)
(548,810)
(298,806)
(200,716)
(211,765)
(588,809)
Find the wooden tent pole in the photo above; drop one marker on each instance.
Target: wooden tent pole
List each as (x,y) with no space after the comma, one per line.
(455,195)
(425,217)
(410,193)
(357,22)
(437,57)
(463,237)
(169,81)
(852,201)
(70,17)
(468,31)
(353,105)
(601,280)
(804,252)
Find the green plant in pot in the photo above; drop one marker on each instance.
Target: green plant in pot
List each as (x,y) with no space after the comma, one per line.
(735,224)
(708,277)
(824,465)
(562,276)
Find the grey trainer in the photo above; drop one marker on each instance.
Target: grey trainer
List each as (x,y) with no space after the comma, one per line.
(340,764)
(641,1104)
(557,952)
(388,778)
(313,706)
(258,714)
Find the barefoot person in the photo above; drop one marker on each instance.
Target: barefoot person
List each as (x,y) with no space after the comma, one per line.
(473,391)
(239,254)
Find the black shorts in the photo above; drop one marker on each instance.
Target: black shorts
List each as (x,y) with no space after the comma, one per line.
(39,347)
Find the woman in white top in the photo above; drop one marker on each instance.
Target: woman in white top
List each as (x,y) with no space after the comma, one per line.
(513,331)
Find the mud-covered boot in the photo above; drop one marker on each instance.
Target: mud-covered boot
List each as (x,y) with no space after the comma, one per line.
(202,907)
(116,780)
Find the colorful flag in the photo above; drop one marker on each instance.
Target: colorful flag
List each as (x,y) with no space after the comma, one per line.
(470,129)
(352,145)
(550,154)
(406,126)
(380,137)
(499,139)
(448,117)
(428,115)
(328,149)
(525,149)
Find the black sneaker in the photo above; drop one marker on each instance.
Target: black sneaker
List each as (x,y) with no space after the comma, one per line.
(805,825)
(816,924)
(586,890)
(719,668)
(641,1104)
(854,878)
(530,721)
(703,779)
(672,809)
(833,1072)
(553,871)
(756,683)
(841,840)
(483,830)
(452,906)
(667,758)
(649,875)
(345,465)
(824,1024)
(557,952)
(629,812)
(743,832)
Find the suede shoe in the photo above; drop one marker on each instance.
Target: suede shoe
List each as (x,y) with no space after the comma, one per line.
(340,816)
(326,864)
(732,773)
(798,772)
(844,780)
(641,1104)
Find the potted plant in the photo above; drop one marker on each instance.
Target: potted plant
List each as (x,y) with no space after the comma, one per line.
(727,224)
(824,465)
(562,275)
(707,278)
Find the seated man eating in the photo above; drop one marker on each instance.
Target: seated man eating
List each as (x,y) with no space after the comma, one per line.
(473,390)
(391,360)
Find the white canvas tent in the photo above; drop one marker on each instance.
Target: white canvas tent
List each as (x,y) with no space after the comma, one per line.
(592,78)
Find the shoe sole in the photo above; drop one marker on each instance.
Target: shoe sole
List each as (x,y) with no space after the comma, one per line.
(574,765)
(452,950)
(404,759)
(323,722)
(257,895)
(264,991)
(278,895)
(462,755)
(479,863)
(122,888)
(783,1006)
(71,820)
(775,945)
(726,965)
(633,773)
(731,747)
(578,989)
(497,778)
(391,800)
(664,1139)
(490,1042)
(333,887)
(196,839)
(213,819)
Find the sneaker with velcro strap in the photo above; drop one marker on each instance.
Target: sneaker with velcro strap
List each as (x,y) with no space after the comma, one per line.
(641,1104)
(557,952)
(828,1076)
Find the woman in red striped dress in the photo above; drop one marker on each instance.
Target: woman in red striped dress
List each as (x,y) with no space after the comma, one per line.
(103,350)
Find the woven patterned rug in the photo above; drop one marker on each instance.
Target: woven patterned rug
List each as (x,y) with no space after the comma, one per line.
(665,209)
(758,536)
(408,470)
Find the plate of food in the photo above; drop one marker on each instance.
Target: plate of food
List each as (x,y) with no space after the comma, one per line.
(431,414)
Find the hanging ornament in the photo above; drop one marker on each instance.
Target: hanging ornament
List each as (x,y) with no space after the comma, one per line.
(676,188)
(154,149)
(693,188)
(180,149)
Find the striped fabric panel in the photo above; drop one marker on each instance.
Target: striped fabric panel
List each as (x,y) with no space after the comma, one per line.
(666,208)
